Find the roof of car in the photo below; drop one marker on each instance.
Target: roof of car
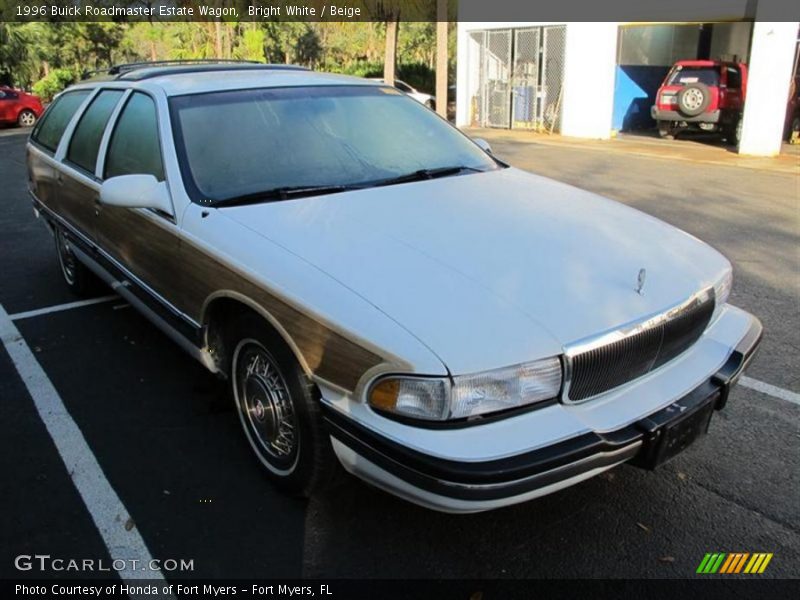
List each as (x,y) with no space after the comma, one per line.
(178,81)
(704,63)
(197,83)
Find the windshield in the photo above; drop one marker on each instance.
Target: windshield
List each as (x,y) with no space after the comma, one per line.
(687,75)
(246,142)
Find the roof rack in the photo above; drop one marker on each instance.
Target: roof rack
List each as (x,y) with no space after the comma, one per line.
(145,70)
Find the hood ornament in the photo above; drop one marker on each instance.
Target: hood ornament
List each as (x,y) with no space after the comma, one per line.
(640,281)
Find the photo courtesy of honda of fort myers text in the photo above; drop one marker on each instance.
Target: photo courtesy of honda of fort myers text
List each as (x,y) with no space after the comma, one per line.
(399,298)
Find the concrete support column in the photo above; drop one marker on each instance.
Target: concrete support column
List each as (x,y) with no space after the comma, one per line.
(589,73)
(770,70)
(462,74)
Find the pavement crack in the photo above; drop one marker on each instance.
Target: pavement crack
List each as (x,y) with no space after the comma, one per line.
(738,502)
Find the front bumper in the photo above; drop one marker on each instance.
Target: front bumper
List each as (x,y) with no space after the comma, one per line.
(471,486)
(673,115)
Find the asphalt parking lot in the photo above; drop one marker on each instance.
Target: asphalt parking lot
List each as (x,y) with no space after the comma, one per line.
(183,471)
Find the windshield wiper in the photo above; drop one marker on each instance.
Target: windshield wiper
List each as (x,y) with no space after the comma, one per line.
(424,174)
(281,193)
(289,192)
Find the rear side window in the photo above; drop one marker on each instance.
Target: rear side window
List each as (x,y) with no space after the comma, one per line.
(734,79)
(49,130)
(85,142)
(134,147)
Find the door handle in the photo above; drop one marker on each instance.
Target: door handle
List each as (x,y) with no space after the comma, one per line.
(59,179)
(97,206)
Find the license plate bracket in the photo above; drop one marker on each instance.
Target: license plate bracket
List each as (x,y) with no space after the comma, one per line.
(682,427)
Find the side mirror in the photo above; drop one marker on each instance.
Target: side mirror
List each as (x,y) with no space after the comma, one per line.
(136,191)
(483,144)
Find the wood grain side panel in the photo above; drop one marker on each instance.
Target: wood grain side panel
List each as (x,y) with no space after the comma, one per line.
(327,354)
(148,249)
(76,203)
(43,177)
(187,276)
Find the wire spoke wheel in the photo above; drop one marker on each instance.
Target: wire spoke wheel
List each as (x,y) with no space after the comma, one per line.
(265,406)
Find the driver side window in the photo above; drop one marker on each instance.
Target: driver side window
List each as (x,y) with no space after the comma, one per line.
(135,147)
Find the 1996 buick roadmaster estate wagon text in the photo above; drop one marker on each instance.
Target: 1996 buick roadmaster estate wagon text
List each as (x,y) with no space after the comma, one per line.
(379,291)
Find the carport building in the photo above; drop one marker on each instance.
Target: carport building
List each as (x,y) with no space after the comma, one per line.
(591,80)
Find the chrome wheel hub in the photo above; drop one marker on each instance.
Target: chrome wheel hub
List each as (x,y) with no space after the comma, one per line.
(692,99)
(67,260)
(27,119)
(266,405)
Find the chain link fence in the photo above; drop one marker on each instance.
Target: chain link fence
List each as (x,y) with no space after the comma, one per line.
(515,77)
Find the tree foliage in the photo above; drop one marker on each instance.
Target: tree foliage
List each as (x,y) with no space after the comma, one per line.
(52,83)
(30,52)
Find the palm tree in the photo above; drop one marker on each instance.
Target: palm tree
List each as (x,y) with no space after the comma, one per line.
(441,57)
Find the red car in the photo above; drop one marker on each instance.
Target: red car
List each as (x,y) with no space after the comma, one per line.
(703,94)
(19,108)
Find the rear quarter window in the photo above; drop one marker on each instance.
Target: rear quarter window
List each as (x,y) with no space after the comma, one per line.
(51,127)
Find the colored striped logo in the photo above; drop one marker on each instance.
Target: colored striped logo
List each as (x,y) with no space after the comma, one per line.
(734,563)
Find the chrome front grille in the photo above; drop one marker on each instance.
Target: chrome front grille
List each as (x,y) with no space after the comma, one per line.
(615,358)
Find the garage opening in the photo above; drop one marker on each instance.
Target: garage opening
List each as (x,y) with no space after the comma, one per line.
(515,77)
(645,54)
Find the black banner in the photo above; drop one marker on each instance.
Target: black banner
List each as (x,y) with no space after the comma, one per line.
(407,10)
(349,589)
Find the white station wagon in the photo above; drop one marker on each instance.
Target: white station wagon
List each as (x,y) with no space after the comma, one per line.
(379,290)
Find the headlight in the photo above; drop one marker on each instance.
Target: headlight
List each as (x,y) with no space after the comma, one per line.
(722,289)
(411,396)
(468,395)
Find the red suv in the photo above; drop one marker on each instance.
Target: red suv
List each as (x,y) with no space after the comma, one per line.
(704,94)
(18,107)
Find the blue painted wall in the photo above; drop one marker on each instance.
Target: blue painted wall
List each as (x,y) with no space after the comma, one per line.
(634,93)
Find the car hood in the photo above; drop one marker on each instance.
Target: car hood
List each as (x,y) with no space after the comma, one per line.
(494,268)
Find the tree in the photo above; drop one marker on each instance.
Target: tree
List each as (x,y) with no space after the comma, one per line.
(13,51)
(388,12)
(292,42)
(390,59)
(30,51)
(102,40)
(441,57)
(251,44)
(416,43)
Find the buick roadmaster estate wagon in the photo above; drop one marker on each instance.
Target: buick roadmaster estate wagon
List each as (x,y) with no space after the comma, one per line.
(378,290)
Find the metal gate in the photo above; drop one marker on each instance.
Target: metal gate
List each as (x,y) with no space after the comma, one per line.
(553,46)
(516,77)
(498,80)
(526,78)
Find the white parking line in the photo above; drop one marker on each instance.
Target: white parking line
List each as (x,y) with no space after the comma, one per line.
(59,307)
(770,390)
(108,513)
